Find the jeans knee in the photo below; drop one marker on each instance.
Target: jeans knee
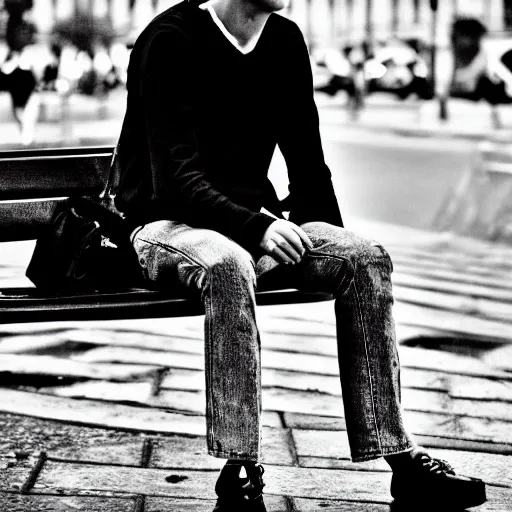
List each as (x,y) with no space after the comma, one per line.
(371,254)
(233,265)
(373,271)
(382,257)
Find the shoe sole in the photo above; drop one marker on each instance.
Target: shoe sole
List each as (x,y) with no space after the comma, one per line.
(404,504)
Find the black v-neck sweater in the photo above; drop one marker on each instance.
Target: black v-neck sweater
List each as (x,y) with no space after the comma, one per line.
(202,123)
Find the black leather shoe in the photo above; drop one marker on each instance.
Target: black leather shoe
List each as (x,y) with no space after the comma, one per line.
(429,483)
(236,494)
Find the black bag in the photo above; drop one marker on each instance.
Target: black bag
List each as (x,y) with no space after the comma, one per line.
(85,247)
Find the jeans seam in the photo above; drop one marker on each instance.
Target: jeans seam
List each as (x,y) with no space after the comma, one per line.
(211,437)
(177,251)
(367,363)
(207,338)
(341,258)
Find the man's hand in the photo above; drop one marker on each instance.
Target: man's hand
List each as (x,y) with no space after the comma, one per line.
(285,242)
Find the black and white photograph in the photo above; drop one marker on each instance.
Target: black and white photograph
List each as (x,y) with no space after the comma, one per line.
(255,255)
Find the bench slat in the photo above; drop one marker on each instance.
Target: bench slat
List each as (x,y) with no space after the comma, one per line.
(24,220)
(62,151)
(53,176)
(22,305)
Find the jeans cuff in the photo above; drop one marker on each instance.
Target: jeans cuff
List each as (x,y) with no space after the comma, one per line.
(234,455)
(383,452)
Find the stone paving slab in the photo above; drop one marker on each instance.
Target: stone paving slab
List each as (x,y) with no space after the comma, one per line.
(498,500)
(180,340)
(16,364)
(99,414)
(328,484)
(178,505)
(109,415)
(500,358)
(75,479)
(446,362)
(14,473)
(272,504)
(442,402)
(346,464)
(28,503)
(458,386)
(112,451)
(448,443)
(309,505)
(30,436)
(456,322)
(29,341)
(138,393)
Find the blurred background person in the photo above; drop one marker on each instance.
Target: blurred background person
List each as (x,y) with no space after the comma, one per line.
(466,72)
(18,71)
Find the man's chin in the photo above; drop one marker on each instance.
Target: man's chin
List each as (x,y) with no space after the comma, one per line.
(270,5)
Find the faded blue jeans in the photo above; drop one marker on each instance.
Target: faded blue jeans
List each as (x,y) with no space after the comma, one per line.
(355,270)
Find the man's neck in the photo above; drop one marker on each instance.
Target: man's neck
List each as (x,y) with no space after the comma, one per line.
(242,20)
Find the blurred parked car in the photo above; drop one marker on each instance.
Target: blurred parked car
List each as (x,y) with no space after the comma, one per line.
(72,70)
(332,71)
(503,71)
(396,67)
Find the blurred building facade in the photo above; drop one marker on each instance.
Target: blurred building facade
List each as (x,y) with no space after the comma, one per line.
(325,22)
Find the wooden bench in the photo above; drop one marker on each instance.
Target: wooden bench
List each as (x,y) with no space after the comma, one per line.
(32,183)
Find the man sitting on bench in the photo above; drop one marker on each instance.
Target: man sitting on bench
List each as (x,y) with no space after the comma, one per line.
(212,89)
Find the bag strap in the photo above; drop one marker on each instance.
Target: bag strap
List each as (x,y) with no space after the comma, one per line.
(108,194)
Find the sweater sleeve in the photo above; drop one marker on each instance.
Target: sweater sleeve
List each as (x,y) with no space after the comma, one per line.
(177,167)
(312,195)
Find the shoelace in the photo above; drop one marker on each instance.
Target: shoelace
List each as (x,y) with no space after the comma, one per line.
(260,470)
(437,466)
(252,476)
